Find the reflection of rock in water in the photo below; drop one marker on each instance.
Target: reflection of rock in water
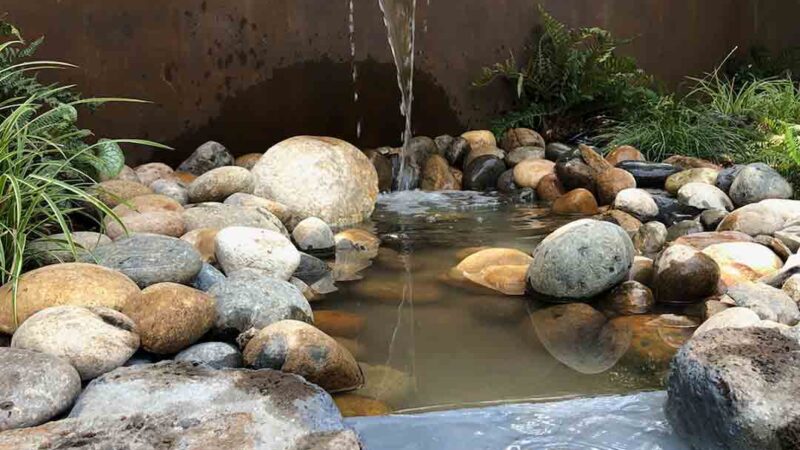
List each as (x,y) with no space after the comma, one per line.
(389,289)
(654,340)
(579,337)
(386,384)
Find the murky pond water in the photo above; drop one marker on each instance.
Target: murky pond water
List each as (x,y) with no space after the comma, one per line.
(433,343)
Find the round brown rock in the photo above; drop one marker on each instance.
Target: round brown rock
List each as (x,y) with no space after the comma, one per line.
(436,175)
(611,182)
(684,275)
(578,201)
(521,137)
(624,153)
(339,323)
(170,316)
(549,188)
(297,347)
(65,284)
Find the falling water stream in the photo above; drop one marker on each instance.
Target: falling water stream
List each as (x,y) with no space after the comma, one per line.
(400,19)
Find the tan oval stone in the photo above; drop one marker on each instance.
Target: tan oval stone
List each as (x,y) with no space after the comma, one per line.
(530,172)
(166,223)
(65,284)
(493,257)
(150,172)
(521,137)
(509,279)
(203,240)
(480,138)
(170,316)
(147,203)
(248,161)
(218,184)
(699,175)
(297,347)
(114,192)
(577,201)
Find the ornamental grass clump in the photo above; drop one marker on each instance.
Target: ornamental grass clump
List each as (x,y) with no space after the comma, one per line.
(48,166)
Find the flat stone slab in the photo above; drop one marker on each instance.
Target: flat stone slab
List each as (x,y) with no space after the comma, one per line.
(633,422)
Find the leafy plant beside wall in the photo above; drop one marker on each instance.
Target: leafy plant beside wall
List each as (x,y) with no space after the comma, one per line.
(47,164)
(572,80)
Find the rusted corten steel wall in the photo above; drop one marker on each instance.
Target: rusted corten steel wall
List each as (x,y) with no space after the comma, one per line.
(249,73)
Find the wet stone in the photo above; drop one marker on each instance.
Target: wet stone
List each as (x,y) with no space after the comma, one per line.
(649,174)
(482,173)
(629,298)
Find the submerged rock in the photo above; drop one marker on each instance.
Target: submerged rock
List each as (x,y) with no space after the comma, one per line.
(207,157)
(580,260)
(736,388)
(385,384)
(499,269)
(340,185)
(354,405)
(297,347)
(35,387)
(94,340)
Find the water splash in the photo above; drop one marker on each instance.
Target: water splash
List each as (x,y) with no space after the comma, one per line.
(399,16)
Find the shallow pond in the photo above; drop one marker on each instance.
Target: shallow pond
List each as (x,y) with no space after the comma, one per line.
(454,345)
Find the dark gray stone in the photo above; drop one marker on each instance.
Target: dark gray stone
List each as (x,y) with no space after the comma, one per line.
(457,152)
(671,211)
(736,388)
(249,299)
(758,182)
(483,172)
(555,150)
(208,156)
(574,173)
(684,228)
(207,277)
(505,183)
(727,175)
(217,355)
(311,269)
(148,259)
(34,387)
(649,174)
(711,218)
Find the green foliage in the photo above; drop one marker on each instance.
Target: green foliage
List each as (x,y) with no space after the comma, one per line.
(56,105)
(721,119)
(760,63)
(572,78)
(47,165)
